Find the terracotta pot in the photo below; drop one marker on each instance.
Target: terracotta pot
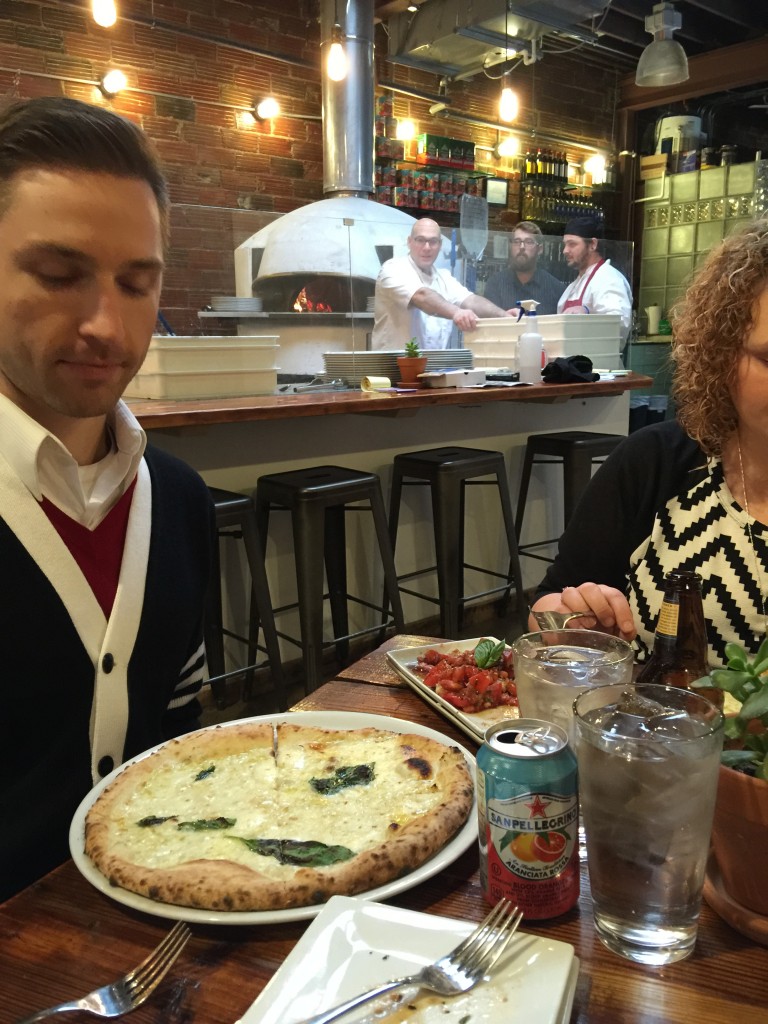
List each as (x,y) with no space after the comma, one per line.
(740,838)
(410,367)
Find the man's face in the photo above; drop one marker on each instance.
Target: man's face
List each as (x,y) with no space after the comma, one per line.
(524,251)
(578,251)
(81,261)
(424,244)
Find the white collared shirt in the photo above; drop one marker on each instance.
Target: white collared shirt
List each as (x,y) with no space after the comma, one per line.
(397,320)
(47,469)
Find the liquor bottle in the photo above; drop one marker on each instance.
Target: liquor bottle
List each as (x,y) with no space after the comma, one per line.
(679,655)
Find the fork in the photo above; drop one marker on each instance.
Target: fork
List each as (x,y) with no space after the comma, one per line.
(131,991)
(457,972)
(558,620)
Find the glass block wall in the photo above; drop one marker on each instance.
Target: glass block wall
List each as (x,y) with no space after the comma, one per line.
(690,214)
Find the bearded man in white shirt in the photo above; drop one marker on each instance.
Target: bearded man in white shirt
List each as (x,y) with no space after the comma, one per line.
(105,543)
(599,286)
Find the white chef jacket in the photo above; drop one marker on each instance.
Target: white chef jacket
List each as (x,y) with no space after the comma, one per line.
(607,292)
(397,321)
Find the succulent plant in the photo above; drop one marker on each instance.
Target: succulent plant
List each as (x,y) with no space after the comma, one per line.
(746,680)
(412,349)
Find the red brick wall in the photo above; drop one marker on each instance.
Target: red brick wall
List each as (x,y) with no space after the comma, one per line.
(213,164)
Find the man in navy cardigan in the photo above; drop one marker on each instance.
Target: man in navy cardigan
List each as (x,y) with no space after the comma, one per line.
(105,543)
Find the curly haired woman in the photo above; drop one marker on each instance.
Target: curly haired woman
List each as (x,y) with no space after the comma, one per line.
(690,494)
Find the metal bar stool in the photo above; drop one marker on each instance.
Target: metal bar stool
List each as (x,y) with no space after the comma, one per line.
(575,451)
(318,500)
(236,519)
(447,472)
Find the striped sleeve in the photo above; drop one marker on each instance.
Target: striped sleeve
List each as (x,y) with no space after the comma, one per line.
(191,679)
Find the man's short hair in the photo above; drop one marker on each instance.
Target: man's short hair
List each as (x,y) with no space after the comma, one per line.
(528,226)
(59,132)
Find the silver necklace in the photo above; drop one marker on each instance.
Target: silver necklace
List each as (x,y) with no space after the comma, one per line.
(758,570)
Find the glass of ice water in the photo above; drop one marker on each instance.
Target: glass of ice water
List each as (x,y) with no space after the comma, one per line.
(648,768)
(552,666)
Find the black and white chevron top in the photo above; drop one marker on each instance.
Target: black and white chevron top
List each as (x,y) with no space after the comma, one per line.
(657,505)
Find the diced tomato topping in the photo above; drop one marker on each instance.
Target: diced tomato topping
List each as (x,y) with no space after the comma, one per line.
(458,679)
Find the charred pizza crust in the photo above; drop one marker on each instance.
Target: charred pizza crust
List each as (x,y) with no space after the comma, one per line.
(188,824)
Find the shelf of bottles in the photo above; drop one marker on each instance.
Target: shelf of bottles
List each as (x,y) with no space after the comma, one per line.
(548,197)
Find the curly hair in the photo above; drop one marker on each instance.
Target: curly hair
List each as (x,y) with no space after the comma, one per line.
(709,326)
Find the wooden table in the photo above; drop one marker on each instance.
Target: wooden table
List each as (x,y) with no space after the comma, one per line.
(61,937)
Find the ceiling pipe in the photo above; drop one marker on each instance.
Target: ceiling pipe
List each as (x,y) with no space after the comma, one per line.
(348,104)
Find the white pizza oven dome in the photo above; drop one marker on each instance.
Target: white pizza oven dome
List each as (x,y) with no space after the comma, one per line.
(333,248)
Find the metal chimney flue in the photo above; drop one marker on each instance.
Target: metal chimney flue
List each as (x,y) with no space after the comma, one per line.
(348,113)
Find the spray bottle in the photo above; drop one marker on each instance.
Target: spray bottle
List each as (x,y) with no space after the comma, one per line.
(530,344)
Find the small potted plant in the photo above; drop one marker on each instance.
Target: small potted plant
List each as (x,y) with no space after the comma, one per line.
(740,829)
(412,363)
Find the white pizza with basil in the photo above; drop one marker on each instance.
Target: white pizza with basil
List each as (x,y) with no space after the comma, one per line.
(256,816)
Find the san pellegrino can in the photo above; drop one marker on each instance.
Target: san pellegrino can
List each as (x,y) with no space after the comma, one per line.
(528,807)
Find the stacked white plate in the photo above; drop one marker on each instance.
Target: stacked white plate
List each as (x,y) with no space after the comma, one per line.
(449,358)
(353,366)
(370,304)
(235,304)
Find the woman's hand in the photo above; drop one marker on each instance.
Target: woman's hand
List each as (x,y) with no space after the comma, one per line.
(608,609)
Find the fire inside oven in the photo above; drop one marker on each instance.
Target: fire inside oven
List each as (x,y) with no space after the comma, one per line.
(320,293)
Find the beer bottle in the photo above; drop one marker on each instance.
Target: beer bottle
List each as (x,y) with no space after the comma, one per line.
(679,654)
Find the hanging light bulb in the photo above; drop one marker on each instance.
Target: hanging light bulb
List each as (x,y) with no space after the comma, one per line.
(104,12)
(509,105)
(112,83)
(267,108)
(337,65)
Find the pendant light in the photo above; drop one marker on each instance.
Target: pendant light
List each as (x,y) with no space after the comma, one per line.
(662,62)
(337,64)
(104,12)
(509,105)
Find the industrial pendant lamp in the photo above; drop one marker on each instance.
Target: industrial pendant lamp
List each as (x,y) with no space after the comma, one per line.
(662,62)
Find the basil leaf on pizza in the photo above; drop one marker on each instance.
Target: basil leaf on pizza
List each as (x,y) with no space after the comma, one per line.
(349,775)
(289,851)
(206,824)
(315,812)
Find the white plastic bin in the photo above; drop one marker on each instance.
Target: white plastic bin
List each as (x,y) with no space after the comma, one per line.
(211,366)
(202,384)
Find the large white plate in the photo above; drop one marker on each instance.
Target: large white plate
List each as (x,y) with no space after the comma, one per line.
(474,725)
(354,945)
(323,720)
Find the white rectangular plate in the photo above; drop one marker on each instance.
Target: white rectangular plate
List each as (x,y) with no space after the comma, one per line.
(475,725)
(354,945)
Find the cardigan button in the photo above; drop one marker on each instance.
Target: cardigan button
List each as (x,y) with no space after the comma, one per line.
(108,662)
(105,765)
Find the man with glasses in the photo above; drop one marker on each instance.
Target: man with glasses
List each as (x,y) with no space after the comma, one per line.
(415,299)
(523,279)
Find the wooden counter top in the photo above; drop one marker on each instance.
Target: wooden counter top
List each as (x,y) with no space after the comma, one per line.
(160,413)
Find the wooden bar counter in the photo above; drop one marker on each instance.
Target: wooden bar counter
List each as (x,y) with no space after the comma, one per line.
(61,937)
(161,413)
